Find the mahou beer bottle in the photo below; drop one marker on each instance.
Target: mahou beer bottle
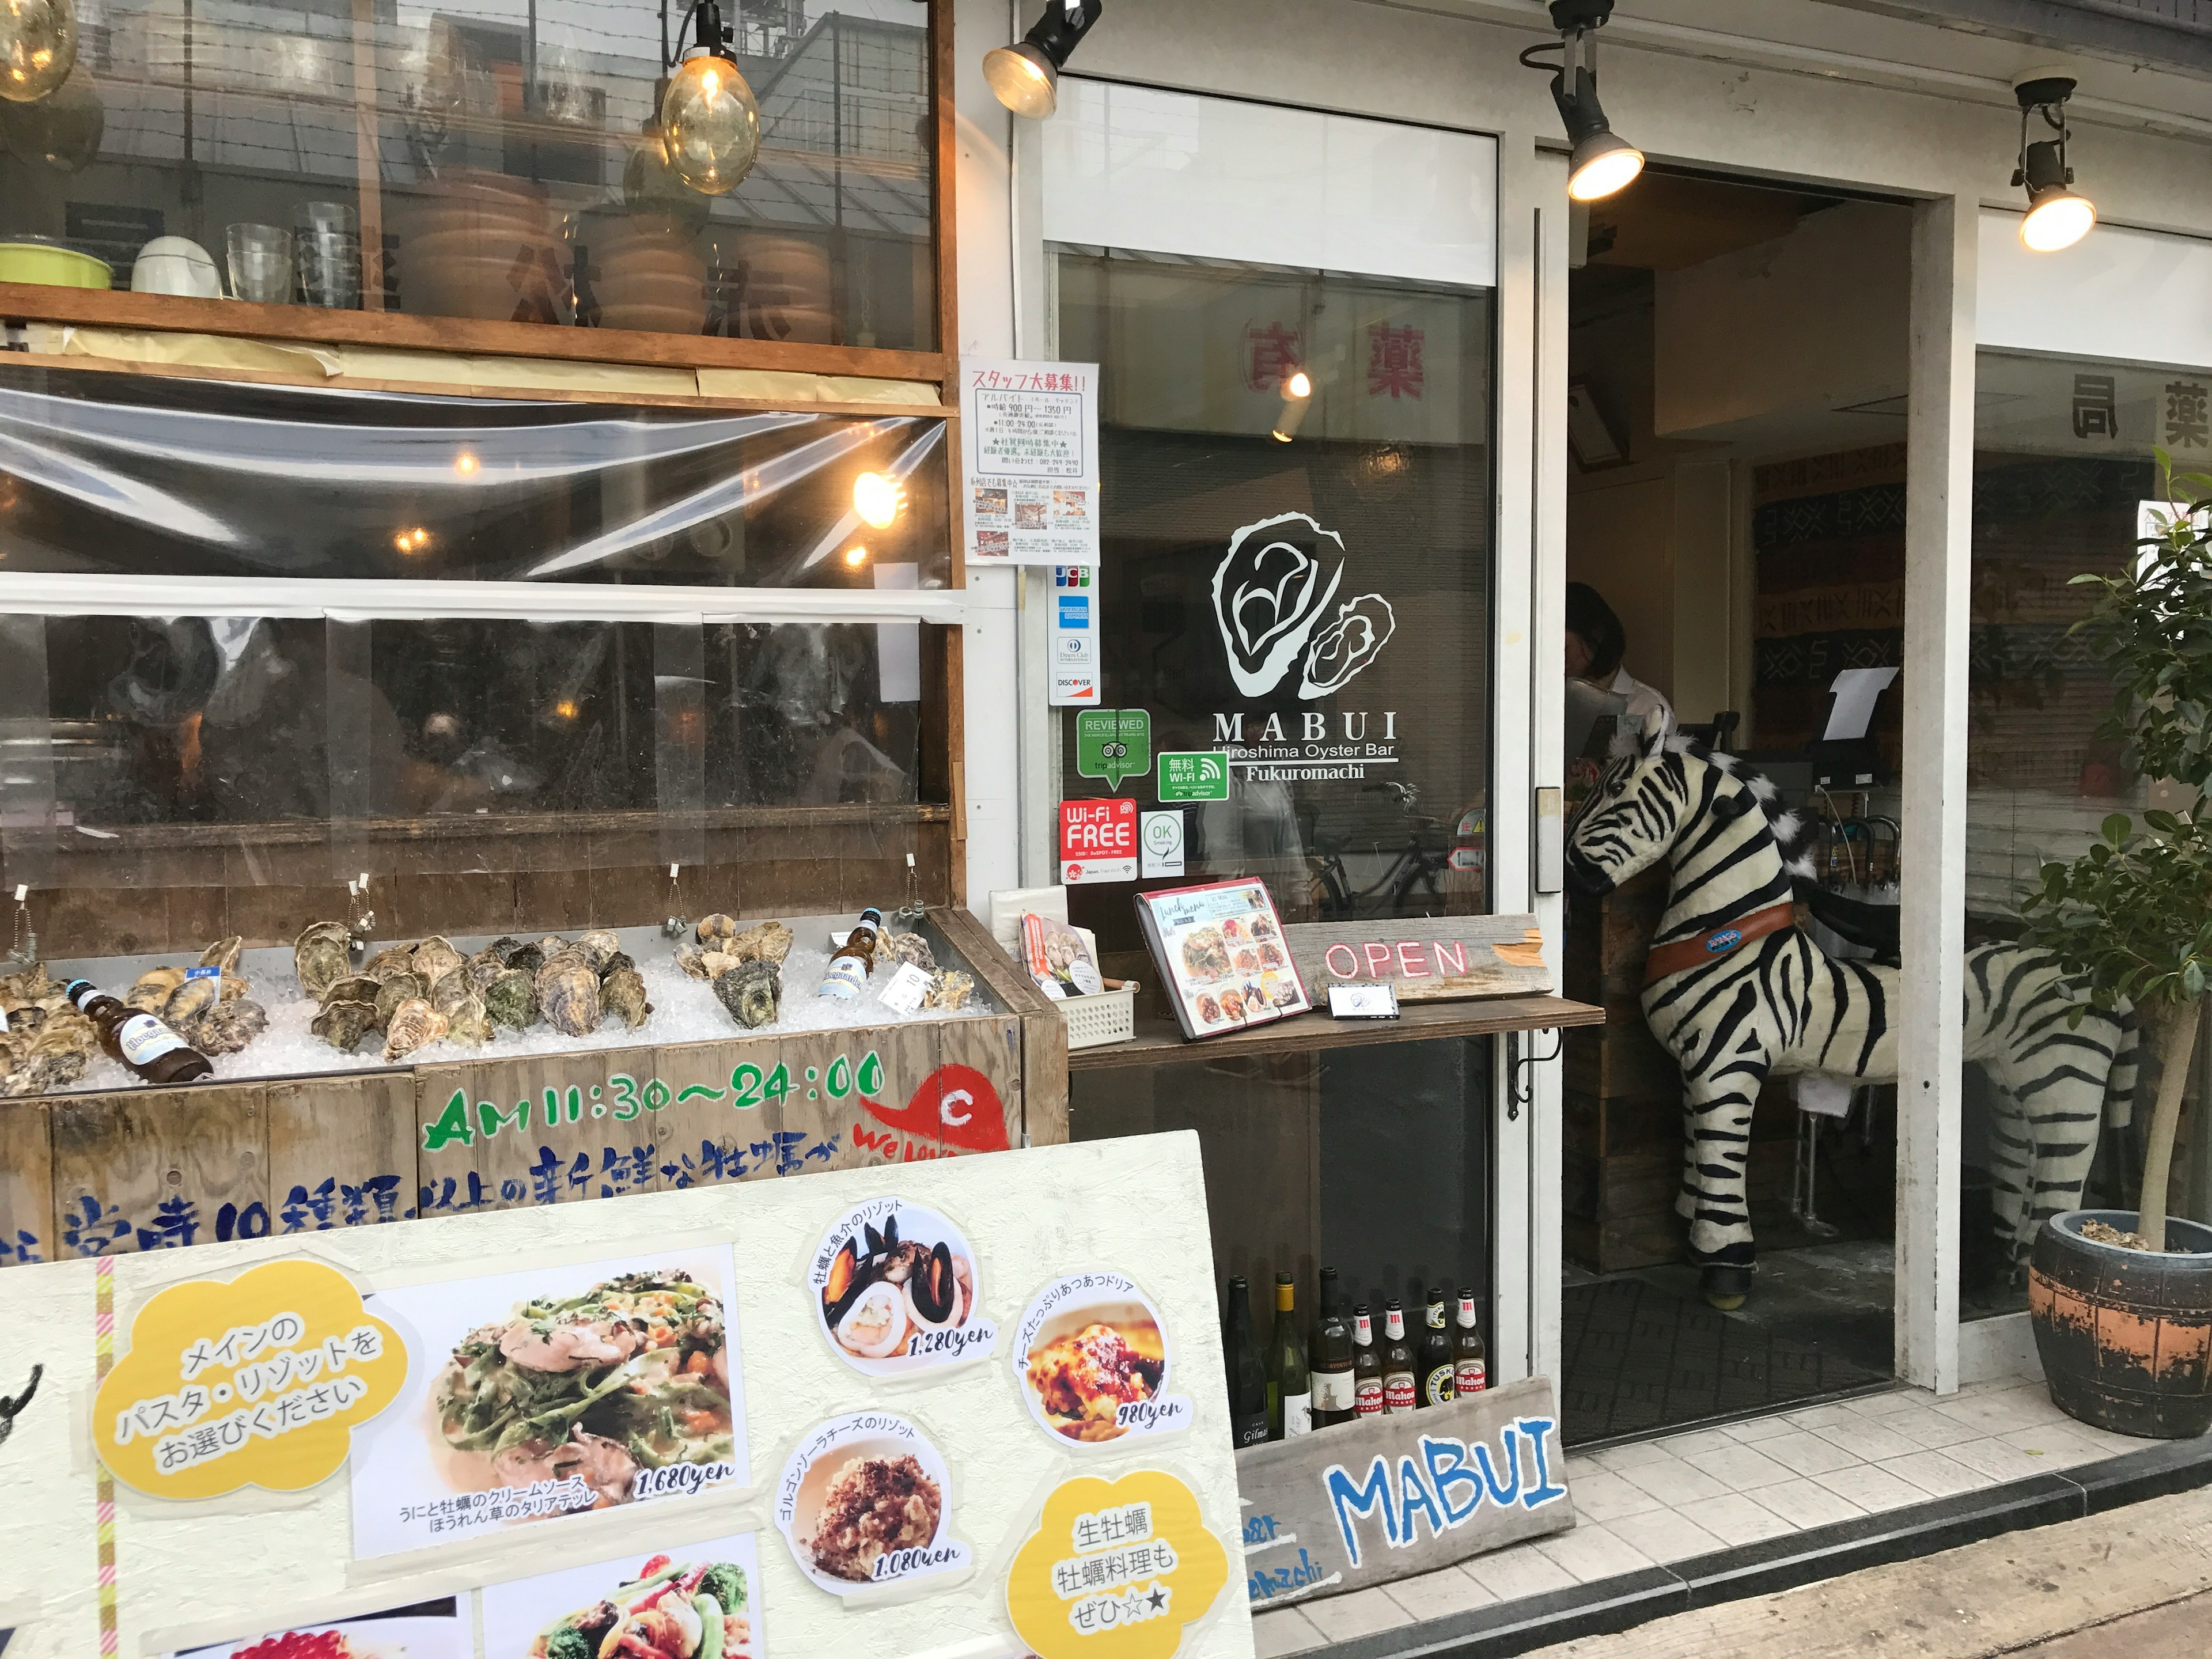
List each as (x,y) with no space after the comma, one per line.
(1366,1365)
(854,960)
(1328,1359)
(1435,1354)
(140,1041)
(1470,1371)
(1400,1386)
(1247,1373)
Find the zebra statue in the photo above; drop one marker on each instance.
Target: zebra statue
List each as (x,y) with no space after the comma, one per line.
(1738,993)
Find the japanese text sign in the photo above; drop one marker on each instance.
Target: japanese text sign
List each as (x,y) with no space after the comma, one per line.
(1113,744)
(1097,841)
(1029,443)
(1195,775)
(1115,1569)
(256,1382)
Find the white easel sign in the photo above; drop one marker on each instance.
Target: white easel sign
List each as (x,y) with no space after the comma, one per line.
(1029,450)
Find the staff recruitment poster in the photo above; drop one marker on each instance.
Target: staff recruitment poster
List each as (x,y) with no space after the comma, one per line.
(1029,447)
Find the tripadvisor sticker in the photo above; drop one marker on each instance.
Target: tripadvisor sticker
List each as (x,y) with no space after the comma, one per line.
(897,1290)
(1115,1569)
(256,1381)
(1092,1357)
(866,1501)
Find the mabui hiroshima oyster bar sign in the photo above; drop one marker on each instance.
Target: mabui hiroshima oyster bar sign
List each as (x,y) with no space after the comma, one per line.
(1278,601)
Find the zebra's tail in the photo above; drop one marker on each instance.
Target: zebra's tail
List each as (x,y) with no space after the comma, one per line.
(2127,1067)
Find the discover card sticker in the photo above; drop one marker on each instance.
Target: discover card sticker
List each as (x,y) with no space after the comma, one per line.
(539,1394)
(866,1501)
(898,1290)
(1092,1357)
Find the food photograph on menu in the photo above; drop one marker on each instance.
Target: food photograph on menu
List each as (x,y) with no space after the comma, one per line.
(1220,947)
(1092,1355)
(701,1602)
(898,1290)
(867,1501)
(427,1630)
(540,1394)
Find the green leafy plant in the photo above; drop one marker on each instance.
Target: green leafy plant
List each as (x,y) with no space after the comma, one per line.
(2132,916)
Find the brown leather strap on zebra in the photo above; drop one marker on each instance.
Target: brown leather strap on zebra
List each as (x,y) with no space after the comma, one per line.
(1687,953)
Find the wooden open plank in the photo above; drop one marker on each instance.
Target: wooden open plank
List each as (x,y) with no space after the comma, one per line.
(27,1184)
(161,1168)
(342,1151)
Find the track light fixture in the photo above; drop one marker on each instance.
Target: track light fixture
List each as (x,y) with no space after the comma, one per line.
(2058,217)
(1026,78)
(1602,162)
(709,124)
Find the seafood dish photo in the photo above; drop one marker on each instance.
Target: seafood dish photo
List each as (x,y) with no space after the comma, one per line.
(1104,1358)
(631,1375)
(884,1291)
(428,1629)
(672,1609)
(1205,954)
(872,1506)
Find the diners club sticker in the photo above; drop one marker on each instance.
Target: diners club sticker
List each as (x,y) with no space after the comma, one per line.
(1090,1357)
(897,1290)
(867,1501)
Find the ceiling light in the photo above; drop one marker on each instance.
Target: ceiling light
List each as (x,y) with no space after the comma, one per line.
(2057,215)
(856,557)
(709,124)
(877,500)
(1298,396)
(1300,385)
(37,45)
(1602,163)
(1026,78)
(465,463)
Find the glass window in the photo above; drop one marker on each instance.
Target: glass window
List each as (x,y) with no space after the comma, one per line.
(2063,455)
(1297,541)
(494,162)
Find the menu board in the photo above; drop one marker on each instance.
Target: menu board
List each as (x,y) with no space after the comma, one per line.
(1221,949)
(867,1413)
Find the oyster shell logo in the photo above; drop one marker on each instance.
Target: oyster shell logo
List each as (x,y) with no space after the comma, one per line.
(1272,594)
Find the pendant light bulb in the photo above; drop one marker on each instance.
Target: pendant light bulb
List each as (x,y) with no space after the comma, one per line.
(2058,219)
(1602,165)
(38,47)
(1025,78)
(2058,216)
(1601,162)
(709,122)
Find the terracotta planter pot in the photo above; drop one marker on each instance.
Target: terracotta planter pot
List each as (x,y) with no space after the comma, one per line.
(2125,1335)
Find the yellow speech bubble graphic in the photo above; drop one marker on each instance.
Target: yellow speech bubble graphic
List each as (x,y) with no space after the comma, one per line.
(1115,1569)
(256,1381)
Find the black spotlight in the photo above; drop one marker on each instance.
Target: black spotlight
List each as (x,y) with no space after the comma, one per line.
(2058,217)
(1602,163)
(1026,78)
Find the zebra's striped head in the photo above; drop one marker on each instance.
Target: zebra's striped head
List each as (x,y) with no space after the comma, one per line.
(1654,786)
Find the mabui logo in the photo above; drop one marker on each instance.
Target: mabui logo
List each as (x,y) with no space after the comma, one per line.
(1272,594)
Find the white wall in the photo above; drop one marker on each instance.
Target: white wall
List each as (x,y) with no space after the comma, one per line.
(2119,293)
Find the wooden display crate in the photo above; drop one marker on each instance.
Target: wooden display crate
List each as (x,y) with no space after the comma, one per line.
(152,1169)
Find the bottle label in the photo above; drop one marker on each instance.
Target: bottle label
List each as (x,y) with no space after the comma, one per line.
(1437,1316)
(1334,1391)
(844,977)
(1473,1377)
(1399,1393)
(1251,1431)
(1297,1415)
(1370,1396)
(144,1040)
(1437,1386)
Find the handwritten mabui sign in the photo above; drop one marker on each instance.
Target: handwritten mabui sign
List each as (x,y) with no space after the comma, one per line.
(1384,1499)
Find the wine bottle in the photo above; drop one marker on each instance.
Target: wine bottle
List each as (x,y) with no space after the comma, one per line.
(1435,1354)
(1471,1372)
(1366,1365)
(1290,1394)
(1336,1399)
(1400,1387)
(142,1041)
(1248,1374)
(855,959)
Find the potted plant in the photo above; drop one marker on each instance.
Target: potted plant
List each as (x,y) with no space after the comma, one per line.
(2122,1300)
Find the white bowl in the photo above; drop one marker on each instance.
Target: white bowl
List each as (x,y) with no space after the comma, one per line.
(176,265)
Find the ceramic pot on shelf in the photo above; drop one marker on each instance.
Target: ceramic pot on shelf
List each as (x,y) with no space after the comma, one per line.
(647,274)
(483,245)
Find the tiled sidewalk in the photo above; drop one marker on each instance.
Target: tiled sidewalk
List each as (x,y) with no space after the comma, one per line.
(1665,1500)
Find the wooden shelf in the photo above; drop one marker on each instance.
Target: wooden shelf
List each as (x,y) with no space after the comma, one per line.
(1160,1043)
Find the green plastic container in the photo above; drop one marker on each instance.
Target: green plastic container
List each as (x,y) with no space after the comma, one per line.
(52,265)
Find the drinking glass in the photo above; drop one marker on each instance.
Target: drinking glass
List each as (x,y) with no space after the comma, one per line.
(260,257)
(326,249)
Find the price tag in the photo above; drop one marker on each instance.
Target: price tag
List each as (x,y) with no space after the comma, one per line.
(1364,1001)
(203,973)
(906,986)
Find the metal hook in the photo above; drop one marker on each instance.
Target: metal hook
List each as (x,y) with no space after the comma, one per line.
(1517,1094)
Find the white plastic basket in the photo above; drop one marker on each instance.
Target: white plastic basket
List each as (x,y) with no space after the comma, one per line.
(1106,1016)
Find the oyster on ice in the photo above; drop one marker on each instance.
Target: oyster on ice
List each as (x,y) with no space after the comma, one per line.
(512,1000)
(342,1024)
(397,988)
(485,966)
(435,958)
(568,995)
(614,964)
(228,1027)
(414,1024)
(948,991)
(190,1001)
(525,959)
(770,942)
(911,947)
(716,932)
(395,959)
(447,991)
(691,960)
(319,956)
(354,988)
(152,989)
(467,1022)
(623,993)
(223,953)
(601,947)
(753,993)
(504,946)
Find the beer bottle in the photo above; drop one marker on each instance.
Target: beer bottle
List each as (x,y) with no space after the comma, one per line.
(1248,1376)
(1435,1354)
(1471,1375)
(855,959)
(1366,1365)
(142,1041)
(1336,1398)
(1401,1389)
(1290,1391)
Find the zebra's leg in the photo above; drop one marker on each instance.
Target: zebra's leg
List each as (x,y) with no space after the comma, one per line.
(2051,1081)
(1718,1098)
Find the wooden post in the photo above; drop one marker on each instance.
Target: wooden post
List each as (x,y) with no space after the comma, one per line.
(369,156)
(1938,591)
